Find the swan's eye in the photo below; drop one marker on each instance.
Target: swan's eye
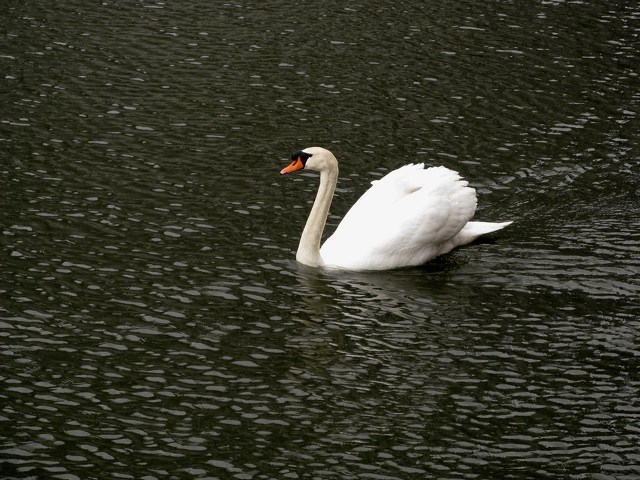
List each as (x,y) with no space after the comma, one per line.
(302,156)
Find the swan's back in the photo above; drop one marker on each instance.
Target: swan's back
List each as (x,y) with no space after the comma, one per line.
(406,218)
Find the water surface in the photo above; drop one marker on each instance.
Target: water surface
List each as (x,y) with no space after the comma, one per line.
(154,323)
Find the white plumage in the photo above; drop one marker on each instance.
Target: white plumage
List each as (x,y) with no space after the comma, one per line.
(406,218)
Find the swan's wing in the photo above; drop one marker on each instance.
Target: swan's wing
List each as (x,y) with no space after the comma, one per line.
(384,192)
(405,218)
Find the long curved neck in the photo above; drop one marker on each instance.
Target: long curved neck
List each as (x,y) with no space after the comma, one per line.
(309,247)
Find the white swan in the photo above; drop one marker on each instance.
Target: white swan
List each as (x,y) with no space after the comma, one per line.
(409,216)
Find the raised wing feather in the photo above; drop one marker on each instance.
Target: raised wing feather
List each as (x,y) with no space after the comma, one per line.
(406,218)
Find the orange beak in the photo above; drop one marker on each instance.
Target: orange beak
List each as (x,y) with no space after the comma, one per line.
(295,165)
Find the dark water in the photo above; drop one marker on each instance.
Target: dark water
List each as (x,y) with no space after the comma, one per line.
(154,323)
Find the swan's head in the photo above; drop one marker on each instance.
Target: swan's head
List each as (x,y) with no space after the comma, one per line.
(313,158)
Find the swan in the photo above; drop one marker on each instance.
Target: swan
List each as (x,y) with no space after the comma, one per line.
(406,218)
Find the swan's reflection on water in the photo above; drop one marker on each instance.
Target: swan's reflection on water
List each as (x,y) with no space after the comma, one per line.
(400,292)
(377,313)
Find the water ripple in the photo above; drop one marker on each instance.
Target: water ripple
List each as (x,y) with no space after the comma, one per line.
(154,323)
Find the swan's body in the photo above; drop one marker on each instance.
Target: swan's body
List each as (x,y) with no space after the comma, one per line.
(406,218)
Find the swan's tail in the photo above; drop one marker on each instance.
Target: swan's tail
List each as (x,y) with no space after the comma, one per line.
(473,230)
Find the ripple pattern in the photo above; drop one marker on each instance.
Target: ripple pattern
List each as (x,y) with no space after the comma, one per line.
(154,323)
